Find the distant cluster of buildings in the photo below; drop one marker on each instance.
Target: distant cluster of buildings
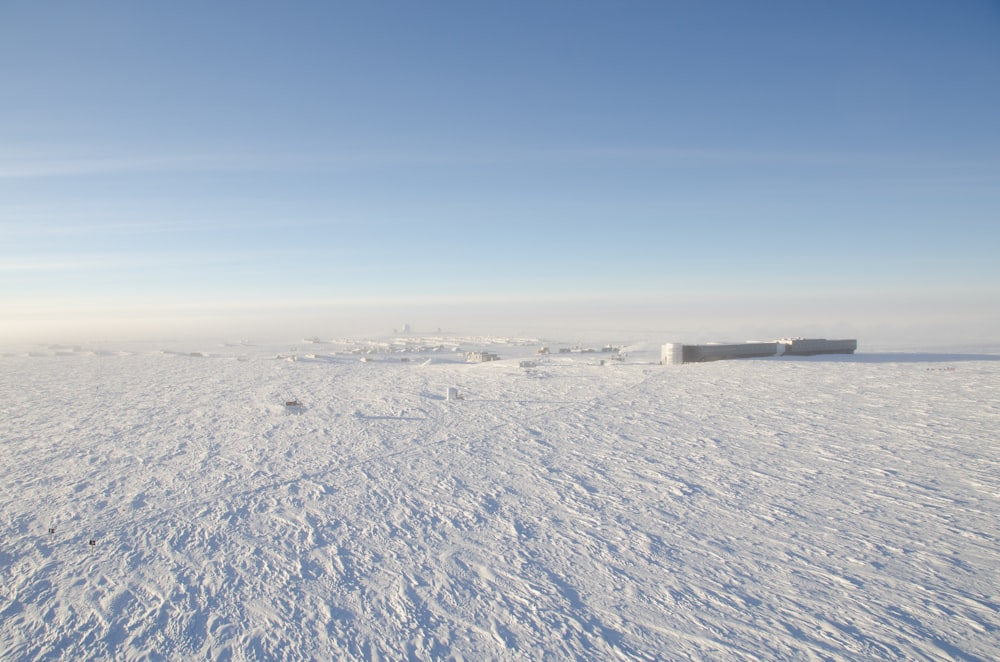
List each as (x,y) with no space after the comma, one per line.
(485,357)
(673,353)
(581,350)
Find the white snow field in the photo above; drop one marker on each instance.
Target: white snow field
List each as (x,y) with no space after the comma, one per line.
(832,508)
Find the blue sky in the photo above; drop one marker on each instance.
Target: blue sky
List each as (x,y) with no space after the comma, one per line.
(691,167)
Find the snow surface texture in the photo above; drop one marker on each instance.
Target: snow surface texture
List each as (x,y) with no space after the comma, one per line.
(835,508)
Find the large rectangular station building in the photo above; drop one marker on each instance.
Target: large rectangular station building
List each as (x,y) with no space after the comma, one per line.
(680,353)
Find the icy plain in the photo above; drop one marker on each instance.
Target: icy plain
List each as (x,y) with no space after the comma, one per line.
(165,503)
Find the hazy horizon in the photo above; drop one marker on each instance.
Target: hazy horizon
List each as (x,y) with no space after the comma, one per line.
(890,328)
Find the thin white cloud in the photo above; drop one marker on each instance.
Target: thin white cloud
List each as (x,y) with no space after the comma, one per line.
(40,165)
(11,168)
(109,261)
(41,226)
(92,262)
(31,164)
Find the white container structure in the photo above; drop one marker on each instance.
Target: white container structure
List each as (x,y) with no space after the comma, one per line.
(452,393)
(672,353)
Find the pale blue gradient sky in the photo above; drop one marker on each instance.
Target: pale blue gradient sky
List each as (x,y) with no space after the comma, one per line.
(688,167)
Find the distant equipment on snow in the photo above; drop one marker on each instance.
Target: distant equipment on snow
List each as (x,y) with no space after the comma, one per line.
(481,357)
(674,353)
(453,393)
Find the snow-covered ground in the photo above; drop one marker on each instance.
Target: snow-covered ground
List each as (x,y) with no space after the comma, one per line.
(840,508)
